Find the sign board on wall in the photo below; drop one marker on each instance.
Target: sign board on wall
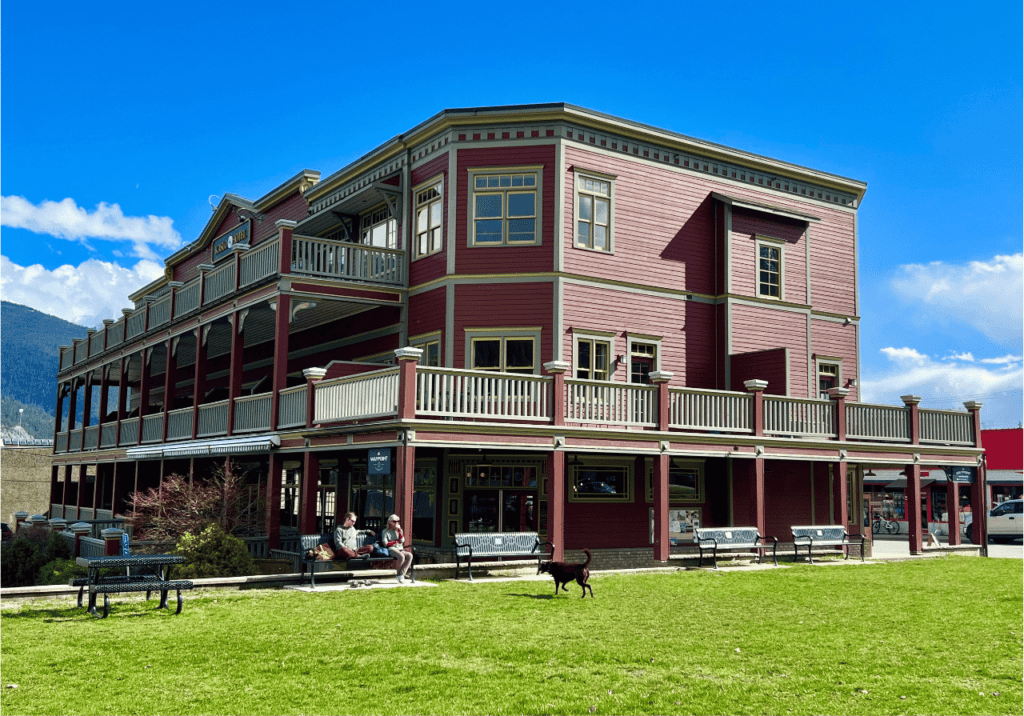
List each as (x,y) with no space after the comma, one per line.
(963,475)
(222,244)
(378,461)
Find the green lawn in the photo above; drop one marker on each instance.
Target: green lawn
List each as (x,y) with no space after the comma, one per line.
(926,636)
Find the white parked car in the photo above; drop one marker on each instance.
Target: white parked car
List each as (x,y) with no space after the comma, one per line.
(1005,522)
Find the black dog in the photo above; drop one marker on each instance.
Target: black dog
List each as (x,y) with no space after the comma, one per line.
(564,573)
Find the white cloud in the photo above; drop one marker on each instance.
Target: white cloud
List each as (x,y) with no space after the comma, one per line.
(968,357)
(947,385)
(986,295)
(83,294)
(66,220)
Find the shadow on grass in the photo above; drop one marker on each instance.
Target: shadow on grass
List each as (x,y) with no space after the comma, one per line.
(74,613)
(533,596)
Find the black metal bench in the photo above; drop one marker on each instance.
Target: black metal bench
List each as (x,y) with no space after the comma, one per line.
(733,539)
(496,544)
(143,573)
(307,555)
(823,536)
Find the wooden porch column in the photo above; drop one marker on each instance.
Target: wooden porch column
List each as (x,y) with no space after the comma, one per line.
(840,496)
(912,401)
(82,470)
(758,502)
(953,510)
(122,474)
(144,384)
(310,492)
(104,393)
(282,308)
(661,542)
(407,359)
(285,227)
(405,463)
(67,482)
(757,388)
(274,467)
(87,403)
(556,503)
(979,490)
(556,369)
(236,364)
(73,405)
(59,415)
(913,493)
(839,395)
(170,380)
(661,379)
(199,376)
(312,376)
(122,393)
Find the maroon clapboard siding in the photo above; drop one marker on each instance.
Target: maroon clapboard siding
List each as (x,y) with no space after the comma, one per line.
(663,225)
(787,487)
(755,329)
(504,259)
(427,313)
(686,327)
(745,226)
(771,365)
(505,305)
(837,340)
(434,266)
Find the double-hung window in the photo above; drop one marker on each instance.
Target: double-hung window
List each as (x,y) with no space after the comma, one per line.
(593,357)
(429,234)
(507,354)
(505,208)
(828,377)
(430,344)
(769,269)
(379,229)
(593,212)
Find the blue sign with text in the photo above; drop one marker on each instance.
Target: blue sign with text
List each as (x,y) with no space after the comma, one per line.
(378,461)
(124,544)
(963,475)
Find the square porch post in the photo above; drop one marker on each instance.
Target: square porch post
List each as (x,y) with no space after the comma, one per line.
(235,364)
(953,510)
(556,503)
(170,379)
(661,542)
(840,496)
(282,310)
(275,464)
(758,502)
(199,376)
(87,404)
(914,507)
(405,461)
(556,369)
(979,490)
(310,492)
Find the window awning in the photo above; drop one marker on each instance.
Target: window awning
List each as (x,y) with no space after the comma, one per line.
(1004,477)
(222,446)
(782,211)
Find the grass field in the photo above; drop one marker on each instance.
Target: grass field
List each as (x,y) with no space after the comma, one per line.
(920,637)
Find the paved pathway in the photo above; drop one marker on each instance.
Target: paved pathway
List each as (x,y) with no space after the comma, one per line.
(892,546)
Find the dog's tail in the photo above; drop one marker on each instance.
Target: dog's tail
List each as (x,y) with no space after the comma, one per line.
(589,557)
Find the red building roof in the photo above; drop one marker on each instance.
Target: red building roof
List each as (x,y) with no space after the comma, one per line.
(1005,448)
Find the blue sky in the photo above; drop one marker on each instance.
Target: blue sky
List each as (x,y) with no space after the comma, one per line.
(121,119)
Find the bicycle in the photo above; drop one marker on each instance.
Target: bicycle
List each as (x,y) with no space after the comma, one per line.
(880,523)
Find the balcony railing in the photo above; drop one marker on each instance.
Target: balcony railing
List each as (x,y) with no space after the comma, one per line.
(443,392)
(219,283)
(96,343)
(213,419)
(877,422)
(342,260)
(108,435)
(591,401)
(710,410)
(252,412)
(800,417)
(136,324)
(153,428)
(356,397)
(160,312)
(947,427)
(179,424)
(75,441)
(291,407)
(91,437)
(259,263)
(130,431)
(186,298)
(115,333)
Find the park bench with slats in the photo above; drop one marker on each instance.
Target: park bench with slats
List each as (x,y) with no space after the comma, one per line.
(733,539)
(813,536)
(470,545)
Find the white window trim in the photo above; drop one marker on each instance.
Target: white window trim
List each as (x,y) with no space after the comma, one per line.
(826,360)
(775,244)
(503,333)
(604,337)
(634,338)
(422,340)
(386,221)
(577,175)
(435,182)
(471,208)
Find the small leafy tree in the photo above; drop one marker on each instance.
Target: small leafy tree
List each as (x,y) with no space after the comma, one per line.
(182,505)
(59,571)
(212,552)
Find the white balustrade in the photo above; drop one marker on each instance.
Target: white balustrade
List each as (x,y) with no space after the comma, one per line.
(343,260)
(136,323)
(714,410)
(252,412)
(186,298)
(160,312)
(96,343)
(948,427)
(213,419)
(129,431)
(219,283)
(355,397)
(153,428)
(115,333)
(592,401)
(108,435)
(258,263)
(877,422)
(291,407)
(179,424)
(60,444)
(799,417)
(91,437)
(75,441)
(451,393)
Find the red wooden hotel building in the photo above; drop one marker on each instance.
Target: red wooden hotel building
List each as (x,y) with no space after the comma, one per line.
(553,319)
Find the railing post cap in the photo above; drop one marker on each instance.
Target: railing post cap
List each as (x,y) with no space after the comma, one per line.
(106,322)
(973,404)
(127,312)
(175,284)
(38,520)
(240,247)
(286,224)
(557,366)
(58,524)
(755,385)
(203,268)
(112,533)
(910,399)
(21,515)
(90,331)
(661,376)
(314,373)
(837,393)
(408,353)
(80,528)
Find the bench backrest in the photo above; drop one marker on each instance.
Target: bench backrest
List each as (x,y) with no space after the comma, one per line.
(729,536)
(313,541)
(819,534)
(496,543)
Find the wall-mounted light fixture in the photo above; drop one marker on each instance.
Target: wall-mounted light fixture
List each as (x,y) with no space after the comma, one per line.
(251,215)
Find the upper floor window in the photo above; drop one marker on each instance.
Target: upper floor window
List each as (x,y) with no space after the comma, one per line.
(379,229)
(643,360)
(593,358)
(431,347)
(505,209)
(593,213)
(428,221)
(769,270)
(828,377)
(507,354)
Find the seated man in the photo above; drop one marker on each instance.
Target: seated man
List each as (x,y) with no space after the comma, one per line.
(348,539)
